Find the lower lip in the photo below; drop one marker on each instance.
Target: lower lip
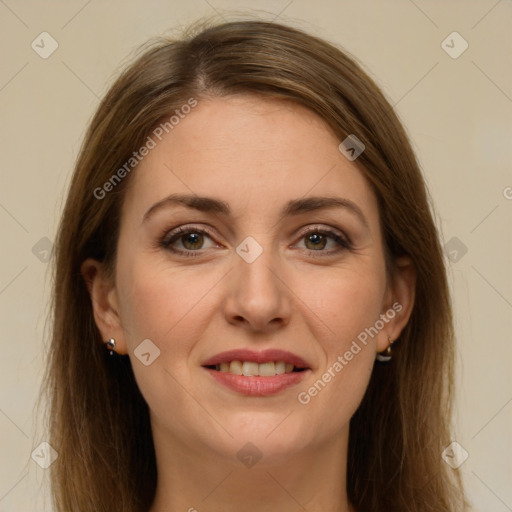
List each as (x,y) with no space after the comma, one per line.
(258,386)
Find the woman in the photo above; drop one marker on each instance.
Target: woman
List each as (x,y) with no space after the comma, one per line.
(251,309)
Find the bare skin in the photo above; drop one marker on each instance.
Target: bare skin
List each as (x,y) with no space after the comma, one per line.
(305,293)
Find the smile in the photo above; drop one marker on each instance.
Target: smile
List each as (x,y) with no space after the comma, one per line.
(253,369)
(257,373)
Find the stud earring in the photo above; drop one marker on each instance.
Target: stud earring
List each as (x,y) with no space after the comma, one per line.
(111,344)
(386,355)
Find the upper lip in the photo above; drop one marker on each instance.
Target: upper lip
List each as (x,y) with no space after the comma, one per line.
(263,356)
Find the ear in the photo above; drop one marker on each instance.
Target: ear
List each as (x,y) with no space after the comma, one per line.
(399,301)
(104,301)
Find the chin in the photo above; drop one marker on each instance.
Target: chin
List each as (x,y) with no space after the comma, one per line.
(264,436)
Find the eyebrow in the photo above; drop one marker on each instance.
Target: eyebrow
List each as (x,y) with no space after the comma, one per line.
(292,207)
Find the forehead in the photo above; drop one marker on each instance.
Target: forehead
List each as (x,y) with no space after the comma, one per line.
(250,152)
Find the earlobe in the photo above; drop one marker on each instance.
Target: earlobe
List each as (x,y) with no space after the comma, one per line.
(401,296)
(103,295)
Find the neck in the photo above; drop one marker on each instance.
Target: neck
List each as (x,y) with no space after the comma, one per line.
(192,479)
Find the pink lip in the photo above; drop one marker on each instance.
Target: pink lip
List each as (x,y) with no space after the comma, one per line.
(264,356)
(258,386)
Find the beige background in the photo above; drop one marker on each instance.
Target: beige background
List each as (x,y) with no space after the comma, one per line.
(458,113)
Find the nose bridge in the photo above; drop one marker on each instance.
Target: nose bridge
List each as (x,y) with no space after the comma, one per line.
(258,294)
(256,267)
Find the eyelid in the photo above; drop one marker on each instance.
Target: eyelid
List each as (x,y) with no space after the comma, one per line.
(168,237)
(184,229)
(324,229)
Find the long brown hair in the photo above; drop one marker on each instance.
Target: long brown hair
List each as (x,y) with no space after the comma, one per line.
(98,420)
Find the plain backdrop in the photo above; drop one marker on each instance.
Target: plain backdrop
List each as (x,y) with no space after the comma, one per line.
(457,109)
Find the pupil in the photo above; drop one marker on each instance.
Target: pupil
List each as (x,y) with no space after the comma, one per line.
(316,239)
(193,239)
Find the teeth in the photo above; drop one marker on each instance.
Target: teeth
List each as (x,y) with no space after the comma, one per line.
(266,369)
(250,368)
(235,367)
(280,367)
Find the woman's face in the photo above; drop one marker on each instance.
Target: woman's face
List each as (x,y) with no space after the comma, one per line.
(257,266)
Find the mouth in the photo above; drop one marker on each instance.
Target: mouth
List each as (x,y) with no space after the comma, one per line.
(253,369)
(257,373)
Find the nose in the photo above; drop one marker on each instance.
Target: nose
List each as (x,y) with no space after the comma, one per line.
(259,299)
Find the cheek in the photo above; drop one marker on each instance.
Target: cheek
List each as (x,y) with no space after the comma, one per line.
(349,306)
(349,301)
(164,305)
(172,309)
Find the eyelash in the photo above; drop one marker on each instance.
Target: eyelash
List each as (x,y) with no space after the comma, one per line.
(168,238)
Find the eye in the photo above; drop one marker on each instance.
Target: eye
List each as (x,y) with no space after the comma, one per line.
(191,238)
(316,240)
